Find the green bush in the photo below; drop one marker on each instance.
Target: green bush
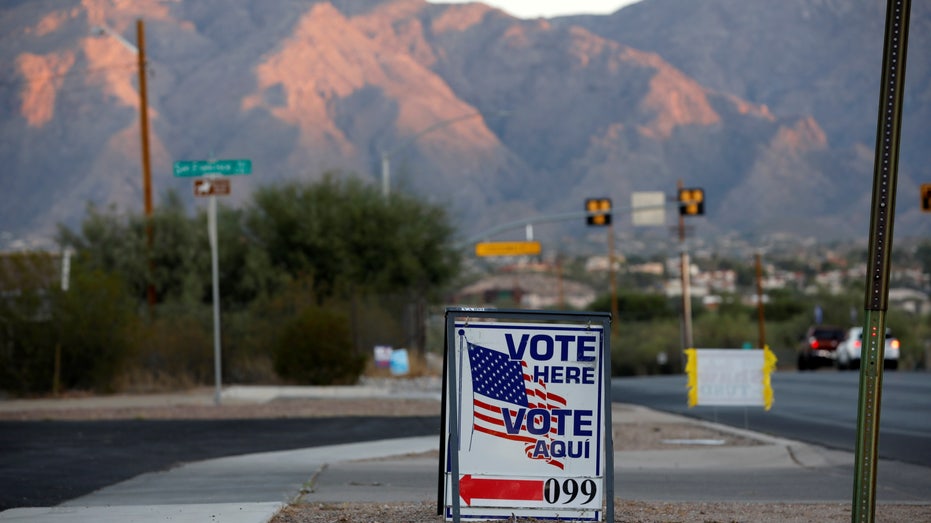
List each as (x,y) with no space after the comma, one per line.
(315,348)
(96,318)
(172,350)
(636,347)
(53,340)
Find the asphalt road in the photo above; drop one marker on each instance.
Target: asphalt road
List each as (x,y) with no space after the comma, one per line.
(43,463)
(815,407)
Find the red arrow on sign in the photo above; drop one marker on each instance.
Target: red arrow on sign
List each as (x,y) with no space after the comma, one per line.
(518,489)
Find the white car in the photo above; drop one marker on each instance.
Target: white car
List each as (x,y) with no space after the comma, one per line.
(848,350)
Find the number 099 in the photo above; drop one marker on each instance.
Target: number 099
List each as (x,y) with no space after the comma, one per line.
(569,491)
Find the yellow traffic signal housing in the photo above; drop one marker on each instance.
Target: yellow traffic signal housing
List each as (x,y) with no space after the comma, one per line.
(692,201)
(599,211)
(926,197)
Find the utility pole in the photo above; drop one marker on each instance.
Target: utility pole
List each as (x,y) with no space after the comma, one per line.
(146,159)
(139,50)
(759,302)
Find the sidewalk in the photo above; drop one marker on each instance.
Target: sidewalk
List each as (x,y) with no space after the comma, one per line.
(253,488)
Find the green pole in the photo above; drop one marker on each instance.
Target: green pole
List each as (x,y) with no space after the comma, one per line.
(885,174)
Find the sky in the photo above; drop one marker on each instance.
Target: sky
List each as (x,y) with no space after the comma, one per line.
(549,8)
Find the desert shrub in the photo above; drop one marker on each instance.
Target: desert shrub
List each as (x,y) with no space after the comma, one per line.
(55,340)
(315,348)
(96,319)
(636,346)
(172,350)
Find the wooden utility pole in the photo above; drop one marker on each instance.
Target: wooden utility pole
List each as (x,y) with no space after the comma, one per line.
(146,161)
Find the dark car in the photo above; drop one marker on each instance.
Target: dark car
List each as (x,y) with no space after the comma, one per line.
(819,346)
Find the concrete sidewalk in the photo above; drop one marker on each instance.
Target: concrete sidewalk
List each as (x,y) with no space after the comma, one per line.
(253,488)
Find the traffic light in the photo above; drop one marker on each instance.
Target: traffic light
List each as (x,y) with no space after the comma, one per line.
(599,211)
(691,201)
(926,197)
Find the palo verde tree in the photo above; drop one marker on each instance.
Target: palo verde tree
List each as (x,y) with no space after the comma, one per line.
(345,236)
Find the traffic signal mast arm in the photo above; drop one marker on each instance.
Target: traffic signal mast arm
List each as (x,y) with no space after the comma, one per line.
(558,217)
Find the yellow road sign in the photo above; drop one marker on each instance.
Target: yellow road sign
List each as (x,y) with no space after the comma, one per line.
(507,248)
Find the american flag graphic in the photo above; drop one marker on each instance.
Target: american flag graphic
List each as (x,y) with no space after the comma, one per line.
(499,382)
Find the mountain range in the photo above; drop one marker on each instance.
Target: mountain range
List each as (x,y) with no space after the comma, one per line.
(770,107)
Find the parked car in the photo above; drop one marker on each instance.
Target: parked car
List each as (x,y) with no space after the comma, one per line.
(818,346)
(848,351)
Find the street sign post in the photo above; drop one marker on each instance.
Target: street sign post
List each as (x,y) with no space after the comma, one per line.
(213,186)
(882,216)
(526,416)
(188,169)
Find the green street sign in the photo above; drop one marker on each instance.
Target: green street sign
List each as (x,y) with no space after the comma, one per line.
(201,167)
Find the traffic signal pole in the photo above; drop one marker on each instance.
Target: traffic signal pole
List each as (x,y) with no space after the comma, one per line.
(684,263)
(885,174)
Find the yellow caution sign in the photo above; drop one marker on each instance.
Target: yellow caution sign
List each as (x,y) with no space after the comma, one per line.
(507,248)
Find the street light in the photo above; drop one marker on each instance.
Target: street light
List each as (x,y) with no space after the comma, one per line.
(386,155)
(144,133)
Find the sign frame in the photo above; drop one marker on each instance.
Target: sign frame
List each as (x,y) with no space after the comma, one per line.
(594,474)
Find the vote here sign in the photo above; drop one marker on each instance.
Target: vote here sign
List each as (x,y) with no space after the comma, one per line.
(530,420)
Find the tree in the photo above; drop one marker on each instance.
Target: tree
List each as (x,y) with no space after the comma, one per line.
(345,235)
(52,338)
(177,263)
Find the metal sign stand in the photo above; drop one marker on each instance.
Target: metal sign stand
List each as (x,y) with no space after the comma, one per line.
(885,174)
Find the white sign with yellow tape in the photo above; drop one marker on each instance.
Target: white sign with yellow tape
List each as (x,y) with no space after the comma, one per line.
(730,377)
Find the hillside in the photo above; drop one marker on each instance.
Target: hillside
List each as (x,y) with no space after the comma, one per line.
(770,108)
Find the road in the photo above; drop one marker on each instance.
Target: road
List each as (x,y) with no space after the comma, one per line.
(43,463)
(815,407)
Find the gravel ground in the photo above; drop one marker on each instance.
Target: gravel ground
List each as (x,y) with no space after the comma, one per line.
(628,436)
(624,512)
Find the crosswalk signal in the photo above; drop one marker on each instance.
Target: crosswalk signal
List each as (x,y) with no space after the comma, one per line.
(599,211)
(691,202)
(926,197)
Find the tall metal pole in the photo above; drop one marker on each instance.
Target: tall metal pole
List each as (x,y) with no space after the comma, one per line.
(686,283)
(885,174)
(146,161)
(215,274)
(613,280)
(761,320)
(385,174)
